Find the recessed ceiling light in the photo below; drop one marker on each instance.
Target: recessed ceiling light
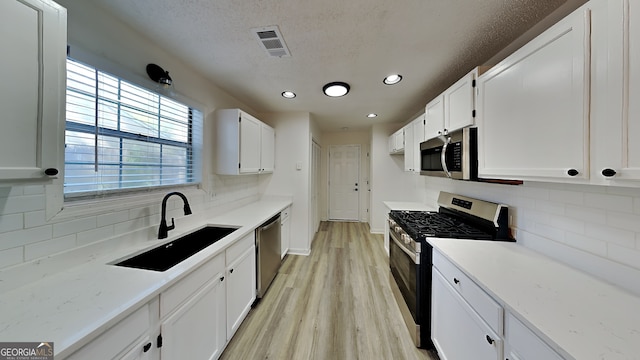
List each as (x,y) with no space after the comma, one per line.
(336,89)
(392,79)
(288,94)
(372,115)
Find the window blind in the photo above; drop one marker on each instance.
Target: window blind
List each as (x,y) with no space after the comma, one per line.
(122,136)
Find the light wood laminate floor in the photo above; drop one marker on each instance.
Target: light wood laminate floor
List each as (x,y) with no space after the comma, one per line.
(334,304)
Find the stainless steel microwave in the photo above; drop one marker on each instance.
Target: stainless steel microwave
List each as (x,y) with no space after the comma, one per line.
(453,155)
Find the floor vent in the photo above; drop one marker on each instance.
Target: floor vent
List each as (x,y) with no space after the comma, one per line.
(271,41)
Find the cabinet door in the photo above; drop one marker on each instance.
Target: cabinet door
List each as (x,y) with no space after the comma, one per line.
(32,102)
(459,103)
(523,344)
(434,116)
(285,233)
(241,289)
(267,148)
(456,330)
(197,330)
(144,350)
(408,148)
(418,137)
(250,147)
(399,141)
(533,117)
(616,90)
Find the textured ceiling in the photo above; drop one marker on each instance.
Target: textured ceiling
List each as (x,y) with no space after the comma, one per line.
(431,43)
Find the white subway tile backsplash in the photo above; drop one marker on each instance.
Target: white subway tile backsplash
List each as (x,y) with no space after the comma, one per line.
(112,218)
(11,222)
(585,243)
(609,202)
(587,214)
(93,235)
(549,232)
(567,197)
(621,237)
(10,191)
(567,224)
(625,221)
(21,204)
(49,247)
(23,237)
(33,190)
(74,226)
(11,256)
(34,218)
(550,207)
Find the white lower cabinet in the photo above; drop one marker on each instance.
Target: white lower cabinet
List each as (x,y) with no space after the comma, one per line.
(241,286)
(523,344)
(457,330)
(143,350)
(117,342)
(197,329)
(285,231)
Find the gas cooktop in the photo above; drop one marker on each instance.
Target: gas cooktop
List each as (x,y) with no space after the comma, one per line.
(421,224)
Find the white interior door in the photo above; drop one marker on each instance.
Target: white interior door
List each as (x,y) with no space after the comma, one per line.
(344,182)
(315,188)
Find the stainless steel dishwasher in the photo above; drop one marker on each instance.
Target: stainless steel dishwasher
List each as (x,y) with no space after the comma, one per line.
(267,253)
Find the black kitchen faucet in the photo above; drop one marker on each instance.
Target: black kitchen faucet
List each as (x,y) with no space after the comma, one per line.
(163,231)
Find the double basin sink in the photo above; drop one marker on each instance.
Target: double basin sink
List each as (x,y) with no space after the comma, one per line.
(165,256)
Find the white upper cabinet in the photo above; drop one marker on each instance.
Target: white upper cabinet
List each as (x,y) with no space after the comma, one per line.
(454,109)
(615,109)
(34,38)
(244,144)
(414,135)
(533,115)
(396,142)
(434,116)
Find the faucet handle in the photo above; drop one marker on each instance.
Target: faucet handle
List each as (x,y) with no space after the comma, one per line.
(172,226)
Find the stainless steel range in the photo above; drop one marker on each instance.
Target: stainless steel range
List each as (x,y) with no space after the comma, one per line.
(410,255)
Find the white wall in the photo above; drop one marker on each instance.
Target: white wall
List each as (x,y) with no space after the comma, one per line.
(293,145)
(389,182)
(25,235)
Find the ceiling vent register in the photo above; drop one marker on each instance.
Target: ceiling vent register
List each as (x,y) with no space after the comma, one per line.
(271,41)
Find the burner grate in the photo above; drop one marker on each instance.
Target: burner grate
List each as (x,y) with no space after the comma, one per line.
(420,225)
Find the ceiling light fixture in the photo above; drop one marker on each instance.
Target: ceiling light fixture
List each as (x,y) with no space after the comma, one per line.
(371,115)
(336,89)
(392,79)
(159,75)
(288,94)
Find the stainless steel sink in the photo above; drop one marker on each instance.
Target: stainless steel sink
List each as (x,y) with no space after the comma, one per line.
(165,256)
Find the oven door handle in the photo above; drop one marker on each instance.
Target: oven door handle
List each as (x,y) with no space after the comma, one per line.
(411,254)
(443,155)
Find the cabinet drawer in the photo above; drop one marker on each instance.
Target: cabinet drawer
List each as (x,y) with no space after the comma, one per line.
(524,344)
(239,247)
(482,303)
(187,286)
(117,338)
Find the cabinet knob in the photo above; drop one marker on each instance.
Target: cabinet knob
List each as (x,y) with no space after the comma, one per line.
(490,340)
(51,172)
(146,347)
(572,172)
(608,172)
(456,281)
(221,278)
(231,271)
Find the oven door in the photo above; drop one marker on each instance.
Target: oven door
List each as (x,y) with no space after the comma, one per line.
(405,266)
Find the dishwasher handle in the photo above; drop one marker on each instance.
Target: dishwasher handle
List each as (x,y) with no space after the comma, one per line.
(270,223)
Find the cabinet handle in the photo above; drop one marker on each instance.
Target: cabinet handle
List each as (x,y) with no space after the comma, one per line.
(490,340)
(159,341)
(572,172)
(221,278)
(231,271)
(456,281)
(608,172)
(146,347)
(51,172)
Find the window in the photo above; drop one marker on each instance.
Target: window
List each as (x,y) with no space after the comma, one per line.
(122,136)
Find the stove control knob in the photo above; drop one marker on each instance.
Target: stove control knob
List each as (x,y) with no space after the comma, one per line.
(406,238)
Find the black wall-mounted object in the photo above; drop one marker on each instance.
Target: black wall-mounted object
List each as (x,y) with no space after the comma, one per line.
(159,75)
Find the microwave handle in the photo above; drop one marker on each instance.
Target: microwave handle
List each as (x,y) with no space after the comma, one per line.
(443,155)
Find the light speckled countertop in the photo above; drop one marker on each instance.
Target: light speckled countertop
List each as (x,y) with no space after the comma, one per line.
(580,316)
(72,306)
